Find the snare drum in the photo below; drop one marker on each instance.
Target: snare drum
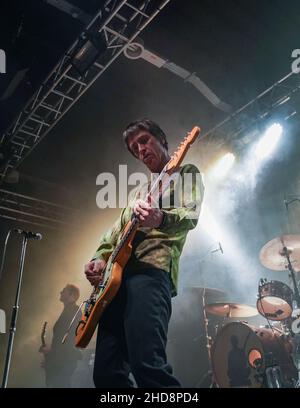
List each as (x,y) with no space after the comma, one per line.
(243,354)
(275,300)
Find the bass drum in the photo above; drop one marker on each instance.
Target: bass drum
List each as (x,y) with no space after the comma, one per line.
(242,354)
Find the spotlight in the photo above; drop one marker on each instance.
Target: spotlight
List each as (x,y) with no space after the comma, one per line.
(91,46)
(268,142)
(209,224)
(6,153)
(223,165)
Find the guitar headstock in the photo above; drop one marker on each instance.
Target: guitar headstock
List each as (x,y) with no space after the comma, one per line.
(182,149)
(43,334)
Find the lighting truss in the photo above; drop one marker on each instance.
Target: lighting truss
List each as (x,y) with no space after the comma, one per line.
(282,98)
(23,208)
(120,22)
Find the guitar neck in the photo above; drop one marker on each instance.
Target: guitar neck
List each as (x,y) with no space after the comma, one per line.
(43,334)
(158,187)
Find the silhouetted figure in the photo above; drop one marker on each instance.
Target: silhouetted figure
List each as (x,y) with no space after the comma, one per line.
(60,360)
(238,371)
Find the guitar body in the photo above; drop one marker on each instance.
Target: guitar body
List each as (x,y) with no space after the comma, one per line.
(104,293)
(101,297)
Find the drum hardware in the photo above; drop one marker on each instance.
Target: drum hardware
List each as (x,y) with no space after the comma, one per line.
(243,356)
(202,335)
(295,325)
(296,356)
(250,357)
(286,253)
(231,310)
(208,341)
(274,377)
(288,202)
(209,373)
(275,300)
(278,302)
(225,310)
(283,253)
(273,256)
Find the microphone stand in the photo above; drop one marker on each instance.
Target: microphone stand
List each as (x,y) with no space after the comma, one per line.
(13,323)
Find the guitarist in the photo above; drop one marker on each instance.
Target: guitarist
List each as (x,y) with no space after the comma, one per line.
(60,360)
(132,332)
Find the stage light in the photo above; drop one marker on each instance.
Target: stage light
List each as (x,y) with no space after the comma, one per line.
(223,165)
(209,224)
(6,152)
(268,142)
(90,47)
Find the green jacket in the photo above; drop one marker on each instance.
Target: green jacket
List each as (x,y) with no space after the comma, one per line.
(161,247)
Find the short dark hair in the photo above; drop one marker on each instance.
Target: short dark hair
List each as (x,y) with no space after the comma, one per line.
(145,124)
(73,291)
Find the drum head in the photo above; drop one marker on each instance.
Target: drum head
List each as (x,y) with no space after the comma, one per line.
(274,308)
(275,300)
(237,357)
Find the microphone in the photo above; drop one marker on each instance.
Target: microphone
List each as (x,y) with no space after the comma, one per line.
(221,249)
(29,234)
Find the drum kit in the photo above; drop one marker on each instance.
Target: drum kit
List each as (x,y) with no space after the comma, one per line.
(244,356)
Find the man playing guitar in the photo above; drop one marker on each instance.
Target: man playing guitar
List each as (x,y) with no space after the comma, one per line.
(132,332)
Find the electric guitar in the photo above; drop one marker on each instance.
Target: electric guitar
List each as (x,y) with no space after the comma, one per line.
(42,350)
(104,293)
(49,367)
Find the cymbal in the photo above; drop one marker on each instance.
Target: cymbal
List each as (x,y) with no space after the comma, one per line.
(272,255)
(205,291)
(231,310)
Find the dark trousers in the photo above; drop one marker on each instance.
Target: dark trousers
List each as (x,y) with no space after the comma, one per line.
(59,375)
(132,333)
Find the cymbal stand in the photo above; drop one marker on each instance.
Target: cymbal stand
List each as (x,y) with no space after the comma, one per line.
(292,274)
(208,338)
(208,342)
(296,355)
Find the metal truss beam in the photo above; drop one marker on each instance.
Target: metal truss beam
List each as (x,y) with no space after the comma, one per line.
(119,23)
(281,99)
(23,208)
(70,9)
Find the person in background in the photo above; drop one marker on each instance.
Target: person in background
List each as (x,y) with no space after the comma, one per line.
(60,360)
